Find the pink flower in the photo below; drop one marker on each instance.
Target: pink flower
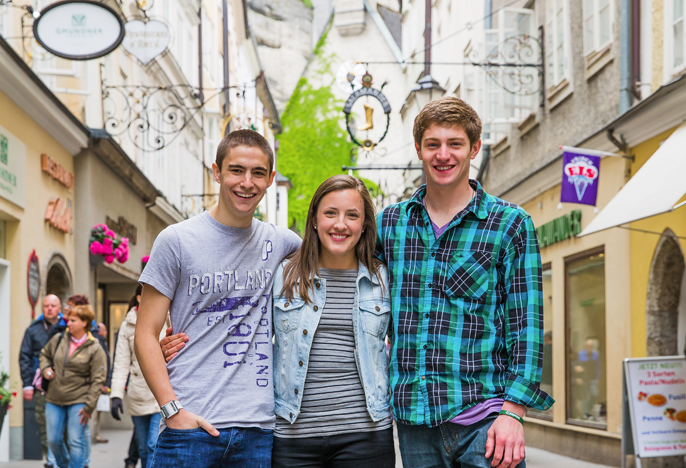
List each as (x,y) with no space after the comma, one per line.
(123,258)
(107,242)
(145,259)
(96,248)
(109,258)
(110,233)
(125,241)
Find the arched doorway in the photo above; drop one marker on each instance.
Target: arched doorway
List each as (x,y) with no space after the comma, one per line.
(58,279)
(664,292)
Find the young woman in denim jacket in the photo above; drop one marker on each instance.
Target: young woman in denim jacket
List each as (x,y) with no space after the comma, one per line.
(331,315)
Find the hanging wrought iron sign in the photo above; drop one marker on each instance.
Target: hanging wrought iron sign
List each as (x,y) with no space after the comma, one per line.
(146,40)
(33,281)
(79,30)
(366,91)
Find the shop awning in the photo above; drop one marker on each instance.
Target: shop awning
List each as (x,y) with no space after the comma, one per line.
(654,189)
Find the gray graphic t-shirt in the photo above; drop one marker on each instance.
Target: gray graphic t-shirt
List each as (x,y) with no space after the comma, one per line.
(219,280)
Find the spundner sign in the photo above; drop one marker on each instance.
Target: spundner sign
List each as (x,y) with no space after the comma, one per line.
(79,30)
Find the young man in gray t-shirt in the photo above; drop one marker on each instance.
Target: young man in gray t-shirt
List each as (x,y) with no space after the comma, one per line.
(214,274)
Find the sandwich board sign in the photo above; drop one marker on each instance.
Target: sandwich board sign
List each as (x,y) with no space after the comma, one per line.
(654,416)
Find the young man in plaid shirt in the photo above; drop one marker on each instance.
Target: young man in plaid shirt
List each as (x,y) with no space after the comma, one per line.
(465,279)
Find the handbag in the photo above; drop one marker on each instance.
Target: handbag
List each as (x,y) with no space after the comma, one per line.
(39,383)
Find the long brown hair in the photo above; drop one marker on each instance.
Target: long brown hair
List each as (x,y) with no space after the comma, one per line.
(304,264)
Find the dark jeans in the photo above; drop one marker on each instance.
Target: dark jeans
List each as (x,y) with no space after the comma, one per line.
(446,446)
(358,450)
(147,430)
(236,447)
(133,457)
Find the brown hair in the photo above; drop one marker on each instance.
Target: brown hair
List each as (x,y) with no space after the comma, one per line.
(244,138)
(304,264)
(85,313)
(448,112)
(79,299)
(134,300)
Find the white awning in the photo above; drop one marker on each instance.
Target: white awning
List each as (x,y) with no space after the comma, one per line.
(654,189)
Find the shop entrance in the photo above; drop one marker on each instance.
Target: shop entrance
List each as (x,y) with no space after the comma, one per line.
(665,308)
(58,280)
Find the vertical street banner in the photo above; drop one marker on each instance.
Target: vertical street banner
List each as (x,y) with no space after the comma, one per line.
(580,171)
(656,396)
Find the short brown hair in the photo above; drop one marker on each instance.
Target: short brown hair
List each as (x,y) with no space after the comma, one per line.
(85,313)
(244,138)
(448,112)
(79,299)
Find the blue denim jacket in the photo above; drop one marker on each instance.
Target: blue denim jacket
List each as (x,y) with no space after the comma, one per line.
(295,324)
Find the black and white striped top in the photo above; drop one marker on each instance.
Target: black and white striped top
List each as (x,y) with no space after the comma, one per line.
(333,400)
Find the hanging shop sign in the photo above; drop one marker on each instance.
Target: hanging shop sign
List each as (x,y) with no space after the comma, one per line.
(12,168)
(368,92)
(559,229)
(33,281)
(58,215)
(655,401)
(79,30)
(146,40)
(580,177)
(57,171)
(123,227)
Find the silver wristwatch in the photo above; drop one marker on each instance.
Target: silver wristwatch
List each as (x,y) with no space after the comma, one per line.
(170,409)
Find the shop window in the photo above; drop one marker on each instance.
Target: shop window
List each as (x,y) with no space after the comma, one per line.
(117,314)
(674,34)
(3,239)
(586,379)
(555,49)
(547,373)
(597,25)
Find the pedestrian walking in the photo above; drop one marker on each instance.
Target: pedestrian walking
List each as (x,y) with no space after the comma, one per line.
(465,286)
(35,338)
(128,378)
(331,315)
(214,274)
(74,363)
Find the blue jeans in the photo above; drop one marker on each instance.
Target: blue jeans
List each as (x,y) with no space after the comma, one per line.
(448,445)
(57,417)
(236,447)
(147,429)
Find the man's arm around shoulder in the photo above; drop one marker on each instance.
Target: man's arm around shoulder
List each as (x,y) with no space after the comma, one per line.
(152,312)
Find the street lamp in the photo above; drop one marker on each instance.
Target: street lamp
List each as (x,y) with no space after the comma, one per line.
(426,90)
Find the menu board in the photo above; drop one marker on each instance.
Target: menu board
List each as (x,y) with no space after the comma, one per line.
(656,390)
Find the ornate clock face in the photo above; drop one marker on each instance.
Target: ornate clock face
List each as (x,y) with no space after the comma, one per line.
(349,76)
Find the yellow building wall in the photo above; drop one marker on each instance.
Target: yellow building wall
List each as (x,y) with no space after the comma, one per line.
(643,247)
(544,208)
(27,230)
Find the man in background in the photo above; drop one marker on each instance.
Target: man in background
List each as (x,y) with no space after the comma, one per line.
(35,337)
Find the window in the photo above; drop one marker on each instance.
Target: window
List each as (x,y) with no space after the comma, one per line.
(547,374)
(556,63)
(209,46)
(4,14)
(213,138)
(586,379)
(505,107)
(597,25)
(676,32)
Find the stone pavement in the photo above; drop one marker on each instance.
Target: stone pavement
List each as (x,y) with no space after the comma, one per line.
(112,454)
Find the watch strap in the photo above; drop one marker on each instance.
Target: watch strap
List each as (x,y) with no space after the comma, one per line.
(170,408)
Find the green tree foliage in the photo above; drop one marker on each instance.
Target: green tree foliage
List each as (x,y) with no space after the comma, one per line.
(314,144)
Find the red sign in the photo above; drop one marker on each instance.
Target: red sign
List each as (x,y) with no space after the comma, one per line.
(57,215)
(33,281)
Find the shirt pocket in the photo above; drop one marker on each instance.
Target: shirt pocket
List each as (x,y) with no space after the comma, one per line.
(374,316)
(287,314)
(469,275)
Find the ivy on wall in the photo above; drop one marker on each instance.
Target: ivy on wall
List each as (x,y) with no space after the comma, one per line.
(314,144)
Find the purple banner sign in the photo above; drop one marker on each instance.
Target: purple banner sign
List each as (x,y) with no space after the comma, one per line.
(580,178)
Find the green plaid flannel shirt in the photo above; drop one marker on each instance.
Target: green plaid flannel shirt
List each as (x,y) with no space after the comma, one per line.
(467,308)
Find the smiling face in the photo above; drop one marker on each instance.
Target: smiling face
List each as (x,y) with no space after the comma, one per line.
(340,222)
(446,154)
(243,179)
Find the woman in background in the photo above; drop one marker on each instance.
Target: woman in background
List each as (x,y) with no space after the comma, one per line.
(141,403)
(76,364)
